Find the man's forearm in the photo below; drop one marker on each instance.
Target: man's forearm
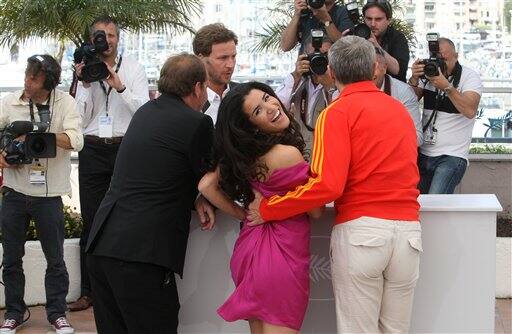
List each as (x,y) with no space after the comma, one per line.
(289,35)
(414,82)
(393,65)
(462,104)
(333,32)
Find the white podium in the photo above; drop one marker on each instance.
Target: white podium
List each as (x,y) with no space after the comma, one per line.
(455,292)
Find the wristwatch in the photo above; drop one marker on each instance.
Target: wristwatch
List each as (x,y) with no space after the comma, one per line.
(327,23)
(122,89)
(448,89)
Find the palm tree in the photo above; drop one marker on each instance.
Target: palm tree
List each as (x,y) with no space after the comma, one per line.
(281,13)
(68,20)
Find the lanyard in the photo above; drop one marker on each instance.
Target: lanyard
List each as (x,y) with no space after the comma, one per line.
(107,93)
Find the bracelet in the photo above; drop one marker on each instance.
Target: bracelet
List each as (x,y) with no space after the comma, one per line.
(121,90)
(411,84)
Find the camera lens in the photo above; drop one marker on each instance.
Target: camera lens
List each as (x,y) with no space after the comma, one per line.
(318,64)
(431,69)
(316,4)
(362,30)
(38,146)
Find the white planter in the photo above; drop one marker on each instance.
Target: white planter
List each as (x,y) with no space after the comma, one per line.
(503,268)
(34,266)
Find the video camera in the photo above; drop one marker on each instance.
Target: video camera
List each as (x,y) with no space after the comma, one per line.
(94,69)
(315,4)
(360,28)
(38,143)
(435,63)
(317,60)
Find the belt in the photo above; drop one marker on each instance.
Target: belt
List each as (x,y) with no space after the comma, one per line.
(106,141)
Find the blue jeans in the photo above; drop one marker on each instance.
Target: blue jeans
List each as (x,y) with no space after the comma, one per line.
(441,174)
(17,210)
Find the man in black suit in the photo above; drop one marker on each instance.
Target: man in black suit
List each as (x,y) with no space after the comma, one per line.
(139,235)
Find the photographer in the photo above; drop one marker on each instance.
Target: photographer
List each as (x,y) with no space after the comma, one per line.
(34,190)
(330,17)
(310,92)
(106,107)
(450,105)
(400,91)
(377,15)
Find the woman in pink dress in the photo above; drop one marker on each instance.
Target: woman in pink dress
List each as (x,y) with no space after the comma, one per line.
(258,146)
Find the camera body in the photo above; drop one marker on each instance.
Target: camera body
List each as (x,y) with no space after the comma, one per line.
(94,69)
(315,4)
(38,143)
(435,63)
(360,28)
(318,60)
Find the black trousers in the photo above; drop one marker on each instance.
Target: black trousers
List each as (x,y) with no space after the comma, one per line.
(17,210)
(96,165)
(132,297)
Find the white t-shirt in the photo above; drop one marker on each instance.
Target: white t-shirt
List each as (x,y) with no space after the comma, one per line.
(454,131)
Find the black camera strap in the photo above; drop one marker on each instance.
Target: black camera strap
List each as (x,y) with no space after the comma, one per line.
(107,92)
(387,84)
(441,98)
(31,106)
(303,106)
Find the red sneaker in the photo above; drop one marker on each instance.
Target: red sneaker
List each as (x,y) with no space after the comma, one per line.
(9,326)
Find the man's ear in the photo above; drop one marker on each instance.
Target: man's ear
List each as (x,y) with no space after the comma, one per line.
(331,73)
(198,88)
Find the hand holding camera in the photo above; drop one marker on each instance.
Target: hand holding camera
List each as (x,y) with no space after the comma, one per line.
(300,6)
(317,60)
(301,66)
(433,68)
(314,8)
(93,69)
(113,79)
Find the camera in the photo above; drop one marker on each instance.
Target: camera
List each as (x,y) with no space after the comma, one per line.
(435,63)
(38,143)
(315,4)
(94,69)
(317,60)
(360,29)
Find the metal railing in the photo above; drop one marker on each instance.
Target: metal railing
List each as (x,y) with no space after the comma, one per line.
(499,129)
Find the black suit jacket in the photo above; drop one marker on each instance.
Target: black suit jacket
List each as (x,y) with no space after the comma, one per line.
(145,215)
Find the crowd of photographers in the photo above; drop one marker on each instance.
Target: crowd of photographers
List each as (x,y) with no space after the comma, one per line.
(42,125)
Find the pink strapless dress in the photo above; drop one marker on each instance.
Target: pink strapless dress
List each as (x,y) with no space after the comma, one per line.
(270,262)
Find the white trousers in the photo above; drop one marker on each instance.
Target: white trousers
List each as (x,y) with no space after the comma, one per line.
(375,266)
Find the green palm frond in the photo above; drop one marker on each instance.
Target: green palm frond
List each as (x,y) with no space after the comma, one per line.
(281,13)
(69,19)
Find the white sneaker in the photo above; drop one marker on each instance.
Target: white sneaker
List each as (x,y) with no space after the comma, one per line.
(9,326)
(62,326)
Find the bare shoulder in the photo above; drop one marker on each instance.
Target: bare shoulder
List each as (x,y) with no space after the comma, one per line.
(282,156)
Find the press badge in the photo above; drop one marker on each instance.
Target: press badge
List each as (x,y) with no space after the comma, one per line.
(37,175)
(106,128)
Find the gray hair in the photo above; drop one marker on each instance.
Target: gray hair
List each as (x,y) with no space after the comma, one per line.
(352,59)
(449,41)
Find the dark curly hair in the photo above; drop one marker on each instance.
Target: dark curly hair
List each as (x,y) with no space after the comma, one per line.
(239,144)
